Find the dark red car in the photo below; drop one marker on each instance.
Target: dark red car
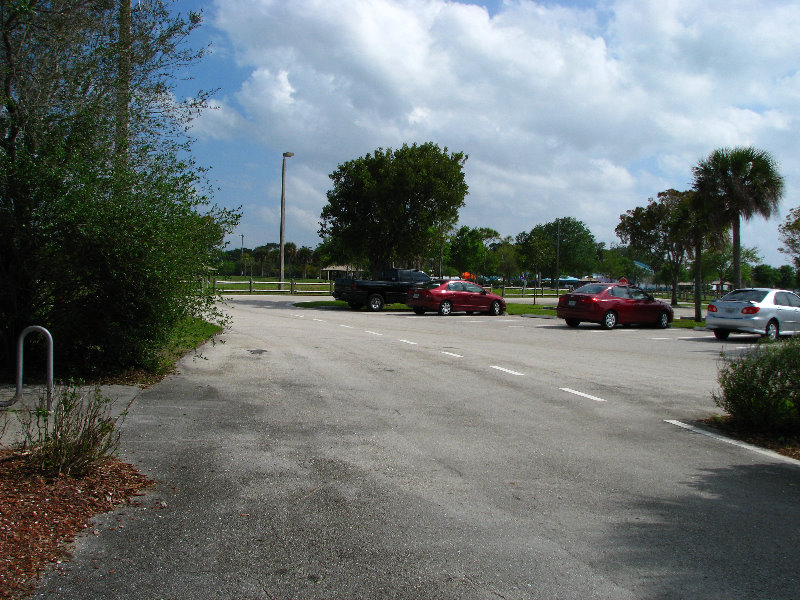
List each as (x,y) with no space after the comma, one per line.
(455,295)
(612,304)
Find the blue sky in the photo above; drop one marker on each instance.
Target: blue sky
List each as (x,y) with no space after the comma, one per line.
(583,109)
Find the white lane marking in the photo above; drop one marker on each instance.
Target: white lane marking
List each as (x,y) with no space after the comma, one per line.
(452,354)
(661,339)
(733,442)
(372,332)
(509,371)
(299,316)
(408,342)
(582,395)
(516,326)
(319,320)
(346,326)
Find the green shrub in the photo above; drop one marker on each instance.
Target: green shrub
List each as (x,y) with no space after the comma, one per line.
(76,435)
(761,389)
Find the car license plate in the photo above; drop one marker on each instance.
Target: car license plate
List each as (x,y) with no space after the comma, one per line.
(416,295)
(571,302)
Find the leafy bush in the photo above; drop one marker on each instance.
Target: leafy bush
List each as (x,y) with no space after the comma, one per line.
(761,389)
(79,433)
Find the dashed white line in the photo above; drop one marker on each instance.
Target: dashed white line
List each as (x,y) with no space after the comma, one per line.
(504,370)
(372,332)
(582,395)
(408,342)
(733,442)
(452,354)
(346,326)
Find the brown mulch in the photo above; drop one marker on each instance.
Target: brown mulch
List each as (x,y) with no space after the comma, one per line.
(39,518)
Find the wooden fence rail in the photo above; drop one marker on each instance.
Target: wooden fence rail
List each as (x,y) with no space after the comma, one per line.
(291,287)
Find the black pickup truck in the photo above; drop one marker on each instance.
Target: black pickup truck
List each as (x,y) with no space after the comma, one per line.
(391,286)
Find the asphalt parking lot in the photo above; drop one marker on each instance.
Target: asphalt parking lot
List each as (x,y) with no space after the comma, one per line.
(330,453)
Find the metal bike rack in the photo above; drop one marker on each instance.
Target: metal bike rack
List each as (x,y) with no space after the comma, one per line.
(50,388)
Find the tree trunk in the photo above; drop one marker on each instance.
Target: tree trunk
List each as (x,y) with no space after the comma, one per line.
(698,279)
(737,253)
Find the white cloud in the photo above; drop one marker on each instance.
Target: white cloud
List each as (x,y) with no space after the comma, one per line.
(563,111)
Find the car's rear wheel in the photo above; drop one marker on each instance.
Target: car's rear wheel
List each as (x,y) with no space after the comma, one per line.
(772,331)
(609,320)
(375,303)
(663,320)
(572,322)
(721,334)
(445,308)
(419,311)
(495,309)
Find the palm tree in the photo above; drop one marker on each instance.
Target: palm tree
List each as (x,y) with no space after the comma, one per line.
(739,183)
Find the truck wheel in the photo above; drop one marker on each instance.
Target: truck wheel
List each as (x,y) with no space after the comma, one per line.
(375,303)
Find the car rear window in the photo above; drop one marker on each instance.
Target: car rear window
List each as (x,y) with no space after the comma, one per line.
(591,288)
(745,296)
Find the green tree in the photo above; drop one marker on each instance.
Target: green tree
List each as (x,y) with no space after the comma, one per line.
(290,256)
(467,250)
(105,221)
(305,256)
(383,207)
(741,183)
(787,277)
(616,264)
(575,247)
(659,233)
(506,254)
(536,250)
(790,235)
(765,276)
(718,259)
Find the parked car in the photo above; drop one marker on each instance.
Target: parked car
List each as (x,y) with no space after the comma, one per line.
(390,286)
(764,311)
(612,304)
(449,296)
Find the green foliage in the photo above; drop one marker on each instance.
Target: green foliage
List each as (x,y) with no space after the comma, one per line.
(765,276)
(660,233)
(387,206)
(105,229)
(574,247)
(616,263)
(790,235)
(468,250)
(761,389)
(740,183)
(78,434)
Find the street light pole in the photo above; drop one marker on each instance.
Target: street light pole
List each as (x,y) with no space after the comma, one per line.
(283,209)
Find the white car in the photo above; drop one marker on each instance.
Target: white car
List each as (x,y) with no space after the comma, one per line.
(764,311)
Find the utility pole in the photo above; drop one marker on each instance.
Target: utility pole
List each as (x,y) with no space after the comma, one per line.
(283,210)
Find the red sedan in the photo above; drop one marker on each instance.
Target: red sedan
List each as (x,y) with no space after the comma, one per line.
(611,304)
(448,296)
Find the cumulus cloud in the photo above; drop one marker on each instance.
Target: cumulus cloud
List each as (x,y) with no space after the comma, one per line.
(564,111)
